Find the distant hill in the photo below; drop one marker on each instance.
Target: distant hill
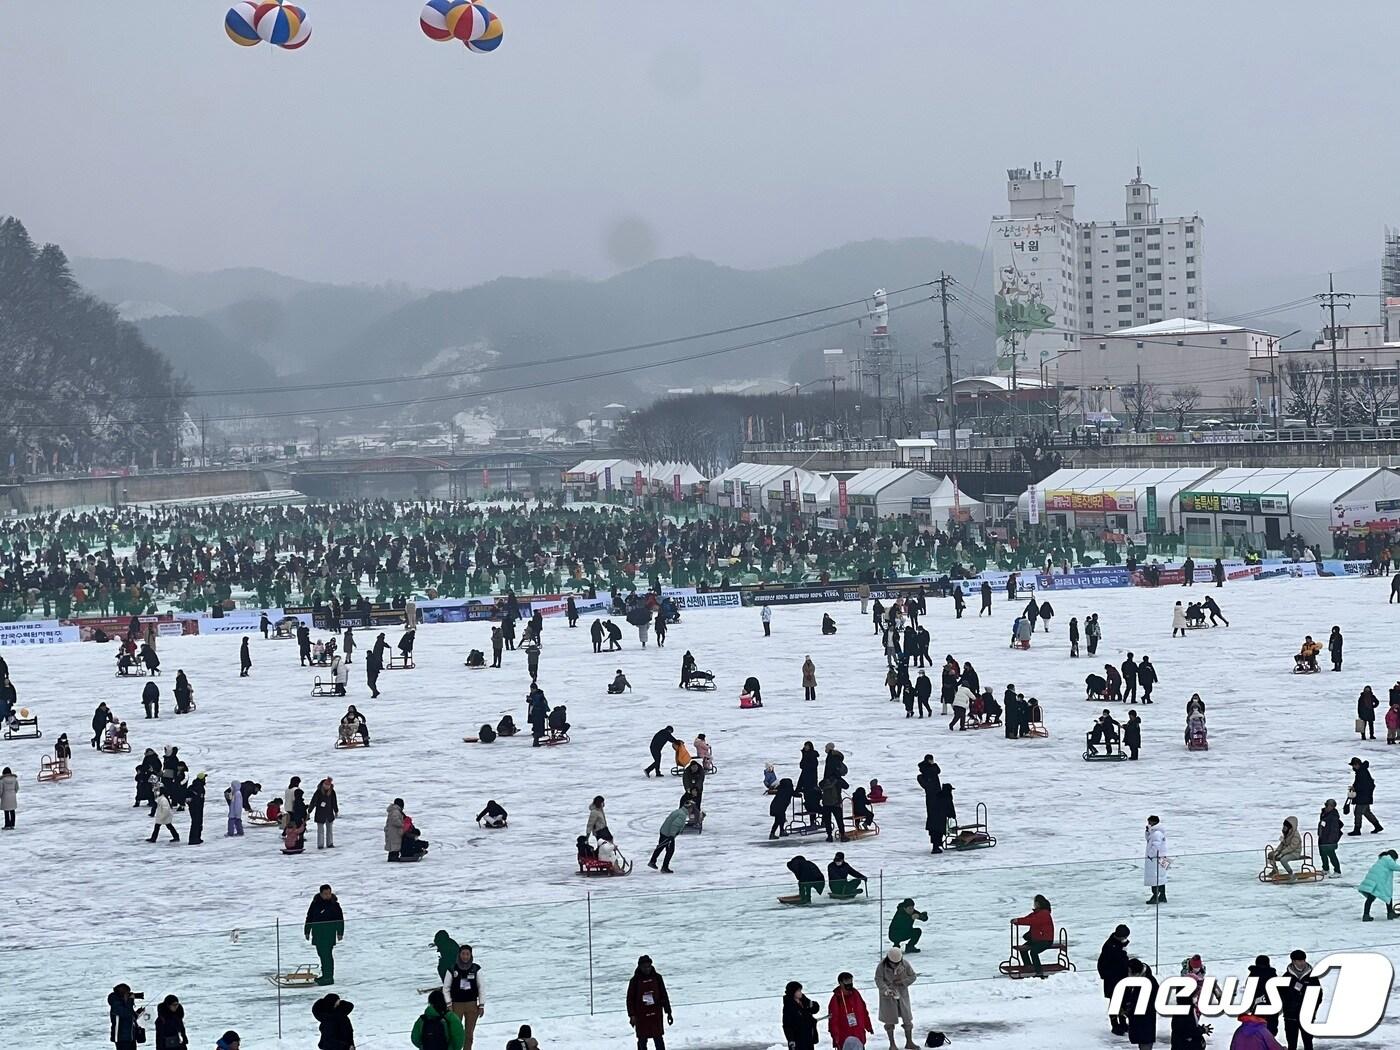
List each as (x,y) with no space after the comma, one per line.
(538,319)
(230,327)
(83,387)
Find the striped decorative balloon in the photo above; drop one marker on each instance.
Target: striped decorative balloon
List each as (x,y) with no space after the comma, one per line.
(490,37)
(434,19)
(468,22)
(279,23)
(240,24)
(303,35)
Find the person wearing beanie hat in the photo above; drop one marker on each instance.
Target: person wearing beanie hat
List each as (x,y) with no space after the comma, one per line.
(228,1041)
(1361,796)
(893,976)
(1113,967)
(647,1001)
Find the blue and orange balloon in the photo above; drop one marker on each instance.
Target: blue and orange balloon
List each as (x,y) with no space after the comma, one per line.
(241,24)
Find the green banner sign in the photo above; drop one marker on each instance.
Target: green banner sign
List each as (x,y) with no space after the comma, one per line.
(1151,523)
(1233,503)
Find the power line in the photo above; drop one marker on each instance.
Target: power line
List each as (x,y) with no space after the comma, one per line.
(343,384)
(473,394)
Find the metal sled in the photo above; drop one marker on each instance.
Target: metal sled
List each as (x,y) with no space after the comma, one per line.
(1016,969)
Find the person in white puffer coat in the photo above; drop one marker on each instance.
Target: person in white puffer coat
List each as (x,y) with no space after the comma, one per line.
(162,818)
(1154,861)
(1179,620)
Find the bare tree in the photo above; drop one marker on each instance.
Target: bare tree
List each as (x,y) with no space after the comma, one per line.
(1238,404)
(1367,399)
(1181,400)
(1138,403)
(1308,392)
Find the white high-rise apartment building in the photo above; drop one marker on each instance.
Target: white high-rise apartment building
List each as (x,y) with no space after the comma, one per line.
(1057,279)
(1142,269)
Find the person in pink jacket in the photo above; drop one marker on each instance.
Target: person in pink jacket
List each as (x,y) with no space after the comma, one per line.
(1253,1034)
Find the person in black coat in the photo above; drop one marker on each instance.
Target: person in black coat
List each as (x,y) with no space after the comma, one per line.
(1300,979)
(986,600)
(184,694)
(929,780)
(1113,967)
(945,815)
(799,1018)
(1264,970)
(245,659)
(1146,678)
(1141,1028)
(754,688)
(809,877)
(170,1025)
(807,769)
(304,643)
(658,741)
(969,678)
(778,808)
(595,632)
(1363,794)
(571,611)
(333,1013)
(194,802)
(1334,646)
(1132,735)
(923,692)
(150,700)
(374,663)
(149,658)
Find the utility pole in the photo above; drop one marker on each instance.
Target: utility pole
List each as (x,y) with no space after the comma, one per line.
(1330,301)
(943,282)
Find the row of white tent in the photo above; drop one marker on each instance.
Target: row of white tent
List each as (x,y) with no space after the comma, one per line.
(1312,502)
(878,492)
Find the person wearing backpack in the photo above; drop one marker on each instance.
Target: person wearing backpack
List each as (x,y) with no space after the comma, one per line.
(438,1028)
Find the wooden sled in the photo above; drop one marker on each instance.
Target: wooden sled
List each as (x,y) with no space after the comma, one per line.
(52,771)
(1017,970)
(349,743)
(1304,868)
(304,976)
(554,738)
(114,748)
(258,819)
(1038,729)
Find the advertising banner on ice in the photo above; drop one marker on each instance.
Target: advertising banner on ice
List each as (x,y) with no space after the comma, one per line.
(37,632)
(104,628)
(795,595)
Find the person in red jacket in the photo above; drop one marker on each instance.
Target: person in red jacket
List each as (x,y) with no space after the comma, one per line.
(847,1017)
(1039,936)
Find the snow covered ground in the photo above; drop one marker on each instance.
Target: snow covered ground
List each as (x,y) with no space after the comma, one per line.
(89,902)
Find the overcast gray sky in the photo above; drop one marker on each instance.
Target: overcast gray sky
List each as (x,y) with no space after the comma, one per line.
(751,133)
